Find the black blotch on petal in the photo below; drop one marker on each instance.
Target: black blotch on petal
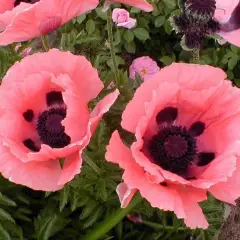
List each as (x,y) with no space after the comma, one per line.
(197,129)
(28,115)
(29,143)
(164,184)
(168,114)
(205,158)
(54,97)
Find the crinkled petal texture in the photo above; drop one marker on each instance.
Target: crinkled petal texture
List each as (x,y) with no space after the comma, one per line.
(27,21)
(224,9)
(141,4)
(43,83)
(200,94)
(230,30)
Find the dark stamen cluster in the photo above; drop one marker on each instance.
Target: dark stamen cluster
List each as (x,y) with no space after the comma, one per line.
(173,148)
(50,129)
(196,22)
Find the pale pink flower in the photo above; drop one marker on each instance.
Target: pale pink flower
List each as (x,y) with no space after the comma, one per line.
(21,21)
(121,17)
(144,66)
(186,121)
(44,117)
(227,13)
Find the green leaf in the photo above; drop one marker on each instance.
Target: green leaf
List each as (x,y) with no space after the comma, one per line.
(4,234)
(48,224)
(64,197)
(141,33)
(128,36)
(5,216)
(90,26)
(81,18)
(4,200)
(159,21)
(167,60)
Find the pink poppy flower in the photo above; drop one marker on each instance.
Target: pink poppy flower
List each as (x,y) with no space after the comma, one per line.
(227,13)
(21,20)
(121,17)
(186,122)
(141,4)
(44,118)
(144,66)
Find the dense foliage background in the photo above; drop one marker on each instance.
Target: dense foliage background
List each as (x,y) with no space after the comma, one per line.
(72,212)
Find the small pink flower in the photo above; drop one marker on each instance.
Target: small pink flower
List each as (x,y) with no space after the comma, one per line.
(44,117)
(25,52)
(21,21)
(121,17)
(144,66)
(186,121)
(111,85)
(227,13)
(141,4)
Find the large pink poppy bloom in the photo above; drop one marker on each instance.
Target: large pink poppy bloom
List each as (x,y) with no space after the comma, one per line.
(141,4)
(227,13)
(186,120)
(21,20)
(44,118)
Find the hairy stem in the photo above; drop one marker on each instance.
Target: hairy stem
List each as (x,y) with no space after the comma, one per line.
(112,220)
(45,43)
(196,57)
(111,46)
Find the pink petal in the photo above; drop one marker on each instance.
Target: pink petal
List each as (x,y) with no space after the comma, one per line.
(32,22)
(224,9)
(125,194)
(58,63)
(72,166)
(231,37)
(183,200)
(6,5)
(101,108)
(189,77)
(36,175)
(229,190)
(7,16)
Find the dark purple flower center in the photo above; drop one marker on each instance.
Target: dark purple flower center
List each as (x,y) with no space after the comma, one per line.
(48,124)
(174,147)
(50,128)
(17,2)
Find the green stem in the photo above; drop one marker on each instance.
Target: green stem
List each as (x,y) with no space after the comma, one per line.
(45,43)
(89,161)
(112,220)
(112,50)
(196,58)
(159,226)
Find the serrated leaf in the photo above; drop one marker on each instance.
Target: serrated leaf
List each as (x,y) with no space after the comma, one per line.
(4,200)
(4,234)
(5,216)
(64,197)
